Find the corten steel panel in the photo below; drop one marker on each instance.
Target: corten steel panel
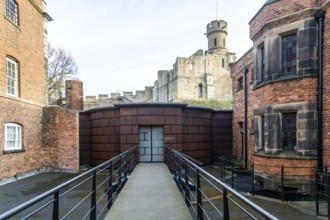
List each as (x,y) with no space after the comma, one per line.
(128,111)
(151,111)
(173,111)
(193,133)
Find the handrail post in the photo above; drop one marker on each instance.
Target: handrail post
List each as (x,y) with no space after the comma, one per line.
(110,192)
(126,166)
(282,183)
(328,193)
(56,206)
(187,193)
(199,198)
(317,192)
(252,179)
(119,173)
(232,175)
(225,205)
(221,169)
(93,200)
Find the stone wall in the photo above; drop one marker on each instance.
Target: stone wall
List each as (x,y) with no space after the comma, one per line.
(145,95)
(106,132)
(202,76)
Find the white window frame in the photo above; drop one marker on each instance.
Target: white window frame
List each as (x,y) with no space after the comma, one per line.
(12,11)
(12,80)
(13,137)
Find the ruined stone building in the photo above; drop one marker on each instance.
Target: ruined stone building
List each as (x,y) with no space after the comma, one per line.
(118,97)
(202,76)
(278,89)
(29,129)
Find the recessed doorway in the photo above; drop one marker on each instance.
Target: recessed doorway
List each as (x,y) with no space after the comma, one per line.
(151,141)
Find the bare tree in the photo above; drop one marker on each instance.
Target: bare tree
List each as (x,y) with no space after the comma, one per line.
(61,67)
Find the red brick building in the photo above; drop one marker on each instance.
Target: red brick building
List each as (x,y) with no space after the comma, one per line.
(276,86)
(28,141)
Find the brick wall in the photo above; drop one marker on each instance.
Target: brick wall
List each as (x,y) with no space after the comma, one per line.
(267,18)
(106,132)
(26,44)
(326,89)
(28,116)
(275,95)
(292,167)
(60,138)
(74,94)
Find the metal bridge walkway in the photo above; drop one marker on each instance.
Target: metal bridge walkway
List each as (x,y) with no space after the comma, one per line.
(150,193)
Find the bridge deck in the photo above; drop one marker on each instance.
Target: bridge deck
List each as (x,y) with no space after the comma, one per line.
(150,193)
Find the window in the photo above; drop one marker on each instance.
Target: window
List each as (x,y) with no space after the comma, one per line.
(224,42)
(262,131)
(223,63)
(12,11)
(13,137)
(240,83)
(12,77)
(289,54)
(200,91)
(289,131)
(191,66)
(215,42)
(263,61)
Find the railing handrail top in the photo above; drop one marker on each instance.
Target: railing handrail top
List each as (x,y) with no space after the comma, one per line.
(224,185)
(189,158)
(44,195)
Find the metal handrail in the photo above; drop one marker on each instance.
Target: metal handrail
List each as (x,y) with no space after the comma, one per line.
(225,189)
(55,191)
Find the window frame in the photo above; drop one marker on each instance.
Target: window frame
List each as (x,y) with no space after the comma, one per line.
(287,35)
(10,13)
(10,79)
(18,133)
(240,83)
(282,131)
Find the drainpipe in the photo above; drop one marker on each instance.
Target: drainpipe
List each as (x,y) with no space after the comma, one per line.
(246,118)
(319,17)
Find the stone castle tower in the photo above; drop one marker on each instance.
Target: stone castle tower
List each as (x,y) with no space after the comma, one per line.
(203,75)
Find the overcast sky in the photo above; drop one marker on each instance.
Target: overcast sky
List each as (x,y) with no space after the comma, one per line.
(119,45)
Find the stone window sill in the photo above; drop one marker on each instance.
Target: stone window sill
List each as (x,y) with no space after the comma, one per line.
(285,155)
(281,79)
(13,151)
(13,23)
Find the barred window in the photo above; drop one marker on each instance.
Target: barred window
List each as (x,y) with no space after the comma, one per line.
(12,11)
(13,137)
(12,77)
(289,54)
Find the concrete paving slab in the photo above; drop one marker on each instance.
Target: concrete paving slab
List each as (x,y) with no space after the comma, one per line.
(150,193)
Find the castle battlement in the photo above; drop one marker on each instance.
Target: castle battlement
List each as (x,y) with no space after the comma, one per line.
(216,26)
(118,97)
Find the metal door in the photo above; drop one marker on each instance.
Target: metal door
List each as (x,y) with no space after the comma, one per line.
(151,144)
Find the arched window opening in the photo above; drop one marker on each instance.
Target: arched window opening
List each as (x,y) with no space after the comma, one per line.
(200,91)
